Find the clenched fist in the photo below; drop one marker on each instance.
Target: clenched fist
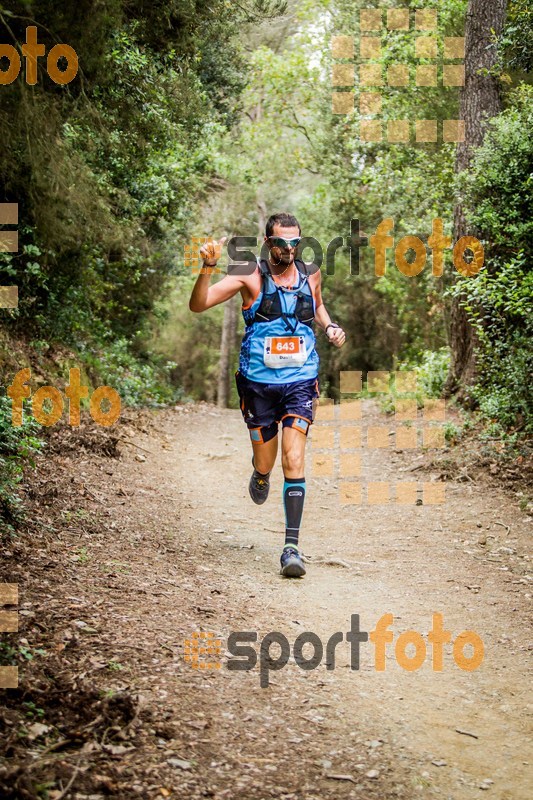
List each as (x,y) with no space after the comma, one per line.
(336,336)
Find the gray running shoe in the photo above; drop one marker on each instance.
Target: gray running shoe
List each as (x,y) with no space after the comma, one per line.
(292,565)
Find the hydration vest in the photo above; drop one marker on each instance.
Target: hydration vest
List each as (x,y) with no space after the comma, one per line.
(279,312)
(271,308)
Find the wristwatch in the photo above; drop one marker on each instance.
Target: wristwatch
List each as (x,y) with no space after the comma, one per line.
(331,325)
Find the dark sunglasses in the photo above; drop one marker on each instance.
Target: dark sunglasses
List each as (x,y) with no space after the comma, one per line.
(279,241)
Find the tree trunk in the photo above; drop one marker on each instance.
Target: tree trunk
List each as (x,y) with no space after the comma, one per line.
(262,218)
(226,351)
(480,100)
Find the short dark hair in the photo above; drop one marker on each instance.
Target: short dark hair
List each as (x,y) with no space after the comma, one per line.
(284,220)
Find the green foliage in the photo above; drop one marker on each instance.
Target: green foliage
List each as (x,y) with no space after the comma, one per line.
(195,347)
(499,307)
(17,447)
(139,381)
(107,170)
(451,432)
(498,188)
(390,318)
(431,369)
(515,45)
(10,652)
(289,152)
(181,104)
(498,191)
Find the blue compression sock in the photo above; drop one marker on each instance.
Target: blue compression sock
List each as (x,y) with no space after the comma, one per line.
(293,501)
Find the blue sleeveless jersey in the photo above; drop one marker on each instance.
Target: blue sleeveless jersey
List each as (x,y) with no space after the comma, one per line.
(251,363)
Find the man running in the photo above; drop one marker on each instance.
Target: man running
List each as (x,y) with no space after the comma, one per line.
(277,379)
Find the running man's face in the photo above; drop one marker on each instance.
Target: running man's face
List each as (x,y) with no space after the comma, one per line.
(282,256)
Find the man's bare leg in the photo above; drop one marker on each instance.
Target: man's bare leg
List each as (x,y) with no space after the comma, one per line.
(293,452)
(265,455)
(264,459)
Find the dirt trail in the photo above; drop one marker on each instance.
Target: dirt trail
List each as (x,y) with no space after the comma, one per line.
(188,551)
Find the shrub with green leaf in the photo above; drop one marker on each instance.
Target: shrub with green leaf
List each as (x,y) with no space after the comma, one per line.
(498,192)
(17,447)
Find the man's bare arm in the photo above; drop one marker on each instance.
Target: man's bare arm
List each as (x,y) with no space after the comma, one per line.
(205,296)
(321,315)
(335,335)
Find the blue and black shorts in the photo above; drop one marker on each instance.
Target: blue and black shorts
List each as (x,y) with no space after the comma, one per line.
(265,405)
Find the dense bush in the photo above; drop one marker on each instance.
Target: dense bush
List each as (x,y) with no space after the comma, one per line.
(17,446)
(140,381)
(498,191)
(431,369)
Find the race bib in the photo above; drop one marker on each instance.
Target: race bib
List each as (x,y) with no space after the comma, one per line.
(284,351)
